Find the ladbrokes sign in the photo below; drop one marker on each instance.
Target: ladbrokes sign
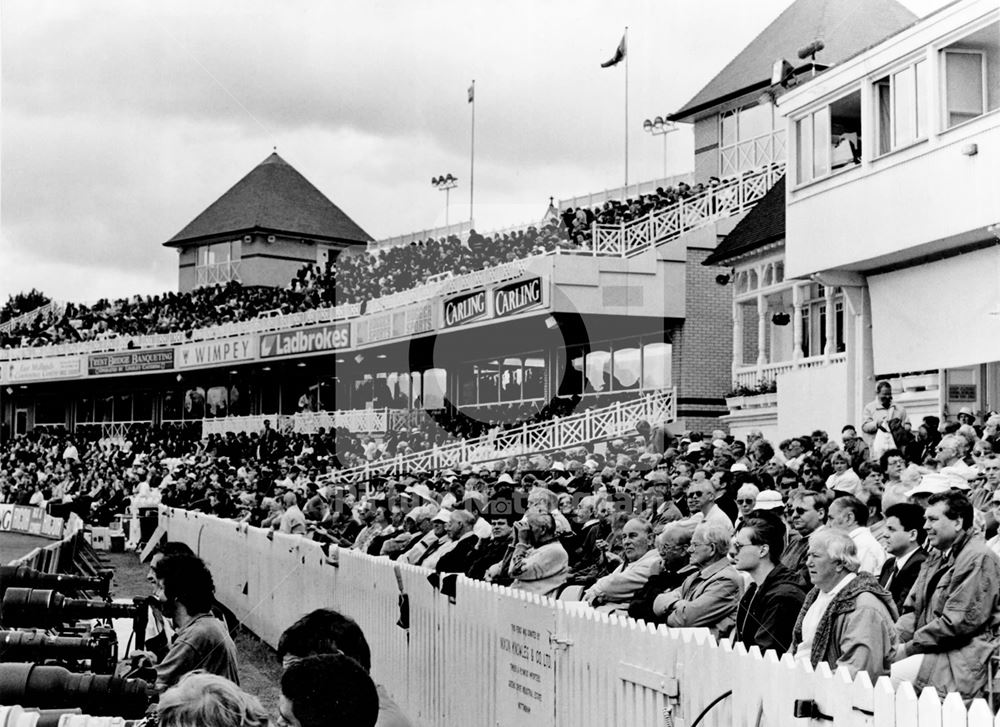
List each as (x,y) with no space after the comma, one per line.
(306,340)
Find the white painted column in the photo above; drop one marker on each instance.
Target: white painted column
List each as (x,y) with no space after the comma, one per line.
(737,337)
(761,330)
(797,295)
(831,322)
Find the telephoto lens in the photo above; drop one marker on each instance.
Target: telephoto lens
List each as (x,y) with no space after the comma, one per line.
(99,648)
(28,607)
(17,716)
(53,687)
(21,576)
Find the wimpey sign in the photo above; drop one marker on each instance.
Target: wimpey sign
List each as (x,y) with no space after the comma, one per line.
(41,369)
(330,337)
(211,353)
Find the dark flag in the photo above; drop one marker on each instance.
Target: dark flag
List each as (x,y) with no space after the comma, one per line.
(618,57)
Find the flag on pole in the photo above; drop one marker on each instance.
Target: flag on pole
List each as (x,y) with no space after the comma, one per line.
(472,93)
(618,57)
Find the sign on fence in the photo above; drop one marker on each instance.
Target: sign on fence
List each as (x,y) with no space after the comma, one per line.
(525,664)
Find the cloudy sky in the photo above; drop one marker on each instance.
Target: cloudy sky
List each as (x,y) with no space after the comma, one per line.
(121,121)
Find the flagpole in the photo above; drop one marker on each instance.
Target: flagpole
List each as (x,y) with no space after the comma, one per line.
(627,54)
(472,156)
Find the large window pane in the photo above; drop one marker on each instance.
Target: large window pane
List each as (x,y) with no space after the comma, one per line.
(142,406)
(964,86)
(598,372)
(511,379)
(904,106)
(729,129)
(803,148)
(435,383)
(822,143)
(534,377)
(627,368)
(920,99)
(656,365)
(754,121)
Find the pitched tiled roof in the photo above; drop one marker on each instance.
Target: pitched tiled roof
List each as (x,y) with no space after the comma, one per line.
(273,197)
(845,27)
(763,224)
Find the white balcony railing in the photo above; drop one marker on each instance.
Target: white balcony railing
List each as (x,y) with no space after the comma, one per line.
(310,422)
(217,273)
(752,376)
(607,423)
(689,213)
(51,307)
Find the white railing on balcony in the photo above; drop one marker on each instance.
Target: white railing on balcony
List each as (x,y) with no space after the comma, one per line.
(459,229)
(730,198)
(354,420)
(50,307)
(606,423)
(217,273)
(753,376)
(619,193)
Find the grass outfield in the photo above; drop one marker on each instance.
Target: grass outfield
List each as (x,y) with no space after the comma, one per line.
(16,545)
(260,672)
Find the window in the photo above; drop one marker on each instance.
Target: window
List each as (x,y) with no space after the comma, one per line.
(829,139)
(971,76)
(219,262)
(900,107)
(749,138)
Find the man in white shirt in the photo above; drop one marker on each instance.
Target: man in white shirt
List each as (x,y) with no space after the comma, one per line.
(850,515)
(701,504)
(642,560)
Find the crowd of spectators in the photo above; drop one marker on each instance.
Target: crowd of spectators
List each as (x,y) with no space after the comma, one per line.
(344,280)
(613,212)
(858,551)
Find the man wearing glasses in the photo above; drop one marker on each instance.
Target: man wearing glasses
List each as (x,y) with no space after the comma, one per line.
(707,598)
(809,511)
(702,506)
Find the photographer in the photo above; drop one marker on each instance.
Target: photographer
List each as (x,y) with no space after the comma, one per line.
(202,641)
(539,563)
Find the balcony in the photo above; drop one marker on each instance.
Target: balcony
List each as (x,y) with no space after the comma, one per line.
(217,273)
(733,197)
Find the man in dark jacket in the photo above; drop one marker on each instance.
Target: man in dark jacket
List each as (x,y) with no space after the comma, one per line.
(903,539)
(766,613)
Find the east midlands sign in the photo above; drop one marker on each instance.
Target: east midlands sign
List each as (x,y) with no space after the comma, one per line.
(330,337)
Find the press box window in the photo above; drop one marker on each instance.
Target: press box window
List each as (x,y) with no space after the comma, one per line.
(971,70)
(900,107)
(829,139)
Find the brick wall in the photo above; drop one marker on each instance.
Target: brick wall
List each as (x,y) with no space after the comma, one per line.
(703,347)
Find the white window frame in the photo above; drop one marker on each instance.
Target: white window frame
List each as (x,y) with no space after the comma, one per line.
(922,103)
(984,101)
(810,116)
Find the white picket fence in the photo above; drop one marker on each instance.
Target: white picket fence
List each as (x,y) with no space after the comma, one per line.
(454,664)
(607,422)
(309,422)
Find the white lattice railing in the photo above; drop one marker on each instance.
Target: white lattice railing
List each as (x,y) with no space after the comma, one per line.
(354,420)
(753,376)
(688,213)
(217,273)
(50,307)
(607,423)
